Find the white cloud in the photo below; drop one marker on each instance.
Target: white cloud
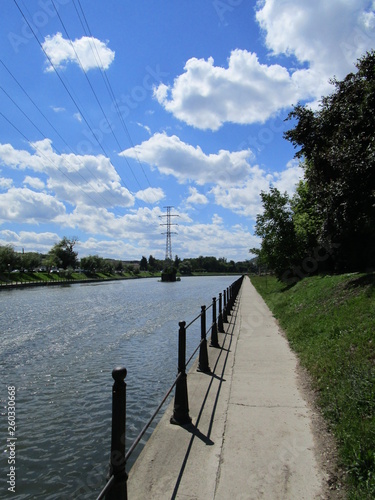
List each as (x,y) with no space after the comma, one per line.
(88,52)
(34,182)
(88,179)
(214,239)
(206,96)
(58,109)
(287,179)
(150,195)
(29,206)
(329,36)
(325,37)
(171,156)
(5,183)
(78,117)
(196,198)
(29,240)
(244,199)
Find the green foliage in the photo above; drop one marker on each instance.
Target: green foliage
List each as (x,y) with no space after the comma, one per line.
(337,143)
(275,226)
(143,264)
(9,259)
(62,254)
(330,323)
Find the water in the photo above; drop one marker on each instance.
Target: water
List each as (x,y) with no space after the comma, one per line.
(58,347)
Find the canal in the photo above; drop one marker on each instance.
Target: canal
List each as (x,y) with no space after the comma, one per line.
(58,347)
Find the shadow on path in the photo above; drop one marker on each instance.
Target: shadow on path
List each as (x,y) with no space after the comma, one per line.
(193,428)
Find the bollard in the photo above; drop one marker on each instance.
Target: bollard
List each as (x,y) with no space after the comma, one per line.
(225,317)
(203,354)
(181,405)
(214,339)
(118,491)
(220,324)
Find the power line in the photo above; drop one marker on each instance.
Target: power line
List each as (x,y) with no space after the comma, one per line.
(107,83)
(92,88)
(67,90)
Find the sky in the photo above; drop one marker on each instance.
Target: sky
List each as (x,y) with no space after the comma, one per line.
(112,111)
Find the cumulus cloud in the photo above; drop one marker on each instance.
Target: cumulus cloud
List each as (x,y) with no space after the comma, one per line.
(5,183)
(244,198)
(150,195)
(215,239)
(206,96)
(196,198)
(34,182)
(171,156)
(88,179)
(29,206)
(29,240)
(329,36)
(88,52)
(325,38)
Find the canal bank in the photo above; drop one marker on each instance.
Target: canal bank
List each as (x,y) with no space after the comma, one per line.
(251,435)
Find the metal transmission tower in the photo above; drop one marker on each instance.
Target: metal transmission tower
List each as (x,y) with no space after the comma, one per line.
(168,245)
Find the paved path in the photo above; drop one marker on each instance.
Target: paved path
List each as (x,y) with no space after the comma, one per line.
(251,434)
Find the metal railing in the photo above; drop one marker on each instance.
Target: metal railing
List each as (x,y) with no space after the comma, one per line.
(116,486)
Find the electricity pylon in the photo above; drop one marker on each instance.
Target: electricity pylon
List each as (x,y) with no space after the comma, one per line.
(168,245)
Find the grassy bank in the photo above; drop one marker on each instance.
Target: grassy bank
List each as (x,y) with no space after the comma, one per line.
(330,323)
(29,277)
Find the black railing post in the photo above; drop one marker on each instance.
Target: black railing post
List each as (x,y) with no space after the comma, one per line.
(214,339)
(230,295)
(181,405)
(225,318)
(203,354)
(220,325)
(118,491)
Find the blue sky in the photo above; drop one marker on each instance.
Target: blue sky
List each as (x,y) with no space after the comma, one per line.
(111,111)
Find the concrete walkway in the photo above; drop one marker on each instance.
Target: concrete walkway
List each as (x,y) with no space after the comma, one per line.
(251,434)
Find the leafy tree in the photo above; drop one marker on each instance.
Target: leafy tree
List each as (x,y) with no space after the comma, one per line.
(152,264)
(91,263)
(279,248)
(185,267)
(30,260)
(143,266)
(9,259)
(337,143)
(63,253)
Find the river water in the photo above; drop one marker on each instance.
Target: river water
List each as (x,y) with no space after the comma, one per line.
(58,346)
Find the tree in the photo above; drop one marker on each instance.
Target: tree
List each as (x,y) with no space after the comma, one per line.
(337,143)
(91,263)
(63,253)
(143,264)
(279,248)
(152,264)
(9,259)
(30,260)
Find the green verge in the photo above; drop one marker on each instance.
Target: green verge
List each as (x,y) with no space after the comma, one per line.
(21,277)
(330,324)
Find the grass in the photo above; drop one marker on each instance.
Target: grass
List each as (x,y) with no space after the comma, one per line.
(25,277)
(330,323)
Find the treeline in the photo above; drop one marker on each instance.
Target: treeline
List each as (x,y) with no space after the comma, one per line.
(199,265)
(63,256)
(329,225)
